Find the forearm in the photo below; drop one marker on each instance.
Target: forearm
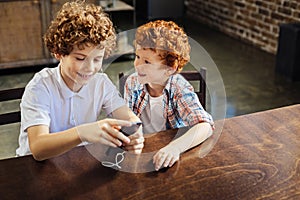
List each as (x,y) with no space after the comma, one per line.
(47,145)
(193,137)
(125,113)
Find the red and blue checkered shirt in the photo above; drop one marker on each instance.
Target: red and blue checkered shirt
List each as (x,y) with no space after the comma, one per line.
(181,104)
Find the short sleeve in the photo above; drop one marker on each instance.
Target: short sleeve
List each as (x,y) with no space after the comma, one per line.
(35,106)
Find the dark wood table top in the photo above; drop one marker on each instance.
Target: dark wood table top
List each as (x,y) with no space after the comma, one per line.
(256,157)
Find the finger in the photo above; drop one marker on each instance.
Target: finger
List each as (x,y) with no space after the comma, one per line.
(115,136)
(134,136)
(159,160)
(106,139)
(135,151)
(173,161)
(167,161)
(117,127)
(136,141)
(112,141)
(155,157)
(158,164)
(134,147)
(108,143)
(118,122)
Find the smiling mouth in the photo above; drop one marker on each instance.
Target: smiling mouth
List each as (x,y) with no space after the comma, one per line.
(140,74)
(84,76)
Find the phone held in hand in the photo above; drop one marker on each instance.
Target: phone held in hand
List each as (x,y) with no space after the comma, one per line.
(129,130)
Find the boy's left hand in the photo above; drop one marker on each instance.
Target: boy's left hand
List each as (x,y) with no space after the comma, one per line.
(136,144)
(166,157)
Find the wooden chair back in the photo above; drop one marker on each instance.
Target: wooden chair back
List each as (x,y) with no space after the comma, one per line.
(195,76)
(8,95)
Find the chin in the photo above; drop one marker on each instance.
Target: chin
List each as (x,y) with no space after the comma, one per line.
(80,81)
(142,81)
(83,82)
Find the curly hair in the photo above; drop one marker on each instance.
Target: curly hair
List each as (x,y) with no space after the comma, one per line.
(167,39)
(81,24)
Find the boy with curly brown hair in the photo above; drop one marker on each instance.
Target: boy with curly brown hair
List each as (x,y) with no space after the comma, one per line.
(159,95)
(61,105)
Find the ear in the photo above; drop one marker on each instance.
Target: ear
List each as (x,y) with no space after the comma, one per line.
(57,56)
(170,71)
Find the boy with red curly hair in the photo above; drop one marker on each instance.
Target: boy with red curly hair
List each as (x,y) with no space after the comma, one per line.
(159,95)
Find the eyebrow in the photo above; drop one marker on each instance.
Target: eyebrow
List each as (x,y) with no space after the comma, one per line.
(144,57)
(81,54)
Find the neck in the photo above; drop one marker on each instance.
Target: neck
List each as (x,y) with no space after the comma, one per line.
(71,84)
(155,90)
(76,88)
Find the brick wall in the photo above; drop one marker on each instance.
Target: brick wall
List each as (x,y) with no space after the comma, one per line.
(254,21)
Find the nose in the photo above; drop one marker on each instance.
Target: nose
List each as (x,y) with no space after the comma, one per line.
(136,62)
(89,66)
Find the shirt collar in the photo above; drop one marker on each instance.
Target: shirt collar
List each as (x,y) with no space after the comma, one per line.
(169,83)
(138,86)
(141,87)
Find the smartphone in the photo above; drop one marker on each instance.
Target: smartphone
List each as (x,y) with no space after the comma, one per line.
(129,130)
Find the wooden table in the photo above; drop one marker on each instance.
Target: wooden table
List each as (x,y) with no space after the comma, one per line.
(256,157)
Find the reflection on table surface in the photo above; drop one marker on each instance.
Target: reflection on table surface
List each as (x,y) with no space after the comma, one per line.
(257,156)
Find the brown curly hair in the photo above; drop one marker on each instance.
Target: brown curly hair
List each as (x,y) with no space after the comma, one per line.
(81,24)
(167,39)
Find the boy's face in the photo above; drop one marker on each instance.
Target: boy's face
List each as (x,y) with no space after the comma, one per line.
(79,66)
(149,67)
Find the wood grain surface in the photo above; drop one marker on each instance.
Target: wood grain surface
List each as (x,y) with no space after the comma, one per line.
(256,157)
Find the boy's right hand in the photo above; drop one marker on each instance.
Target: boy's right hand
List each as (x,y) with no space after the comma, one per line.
(105,131)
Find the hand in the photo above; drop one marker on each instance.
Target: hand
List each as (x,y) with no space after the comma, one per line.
(136,144)
(166,157)
(104,131)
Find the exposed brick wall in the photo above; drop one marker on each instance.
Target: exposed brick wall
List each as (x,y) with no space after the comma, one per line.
(254,21)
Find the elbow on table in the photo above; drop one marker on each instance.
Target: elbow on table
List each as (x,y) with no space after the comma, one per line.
(38,157)
(211,129)
(36,153)
(205,127)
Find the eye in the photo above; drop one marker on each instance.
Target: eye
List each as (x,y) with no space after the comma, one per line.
(137,56)
(97,59)
(79,58)
(147,62)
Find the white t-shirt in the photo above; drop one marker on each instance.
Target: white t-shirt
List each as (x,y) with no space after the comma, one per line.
(48,101)
(153,115)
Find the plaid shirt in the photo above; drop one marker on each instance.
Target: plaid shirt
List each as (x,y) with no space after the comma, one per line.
(181,104)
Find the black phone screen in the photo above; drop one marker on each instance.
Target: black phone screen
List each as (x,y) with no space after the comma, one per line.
(129,130)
